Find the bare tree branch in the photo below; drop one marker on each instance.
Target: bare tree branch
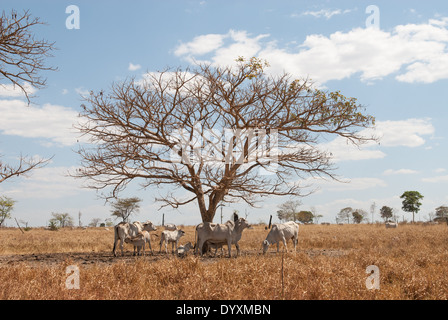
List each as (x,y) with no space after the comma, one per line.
(22,56)
(222,134)
(25,165)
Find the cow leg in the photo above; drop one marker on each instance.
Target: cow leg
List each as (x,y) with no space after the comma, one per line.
(278,246)
(216,249)
(200,245)
(229,245)
(115,248)
(121,246)
(284,244)
(149,244)
(160,248)
(237,249)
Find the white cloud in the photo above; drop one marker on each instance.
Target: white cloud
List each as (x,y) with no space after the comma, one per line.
(13,91)
(346,184)
(46,183)
(389,172)
(133,67)
(64,91)
(404,133)
(412,52)
(201,45)
(238,43)
(342,150)
(327,13)
(50,122)
(440,170)
(82,91)
(436,179)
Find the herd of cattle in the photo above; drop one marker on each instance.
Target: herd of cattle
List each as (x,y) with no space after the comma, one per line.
(207,236)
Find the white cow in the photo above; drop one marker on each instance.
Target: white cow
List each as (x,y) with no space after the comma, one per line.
(182,251)
(125,230)
(170,236)
(390,224)
(139,241)
(217,234)
(282,232)
(170,227)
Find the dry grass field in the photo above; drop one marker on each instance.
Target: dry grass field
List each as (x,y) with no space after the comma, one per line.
(330,263)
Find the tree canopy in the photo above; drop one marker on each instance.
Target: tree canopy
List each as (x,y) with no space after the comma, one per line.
(411,202)
(223,134)
(124,208)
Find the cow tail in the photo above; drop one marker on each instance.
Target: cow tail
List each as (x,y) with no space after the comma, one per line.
(196,238)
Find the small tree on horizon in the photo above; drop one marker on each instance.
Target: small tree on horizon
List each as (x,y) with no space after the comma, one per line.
(386,212)
(345,214)
(411,202)
(61,219)
(124,208)
(289,210)
(6,206)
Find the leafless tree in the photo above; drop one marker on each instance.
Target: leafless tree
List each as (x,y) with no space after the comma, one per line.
(224,134)
(21,61)
(22,56)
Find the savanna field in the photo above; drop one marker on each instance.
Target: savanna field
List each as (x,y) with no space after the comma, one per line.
(330,263)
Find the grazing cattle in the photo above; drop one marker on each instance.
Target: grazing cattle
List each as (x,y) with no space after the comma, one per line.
(125,230)
(170,236)
(282,232)
(139,241)
(182,251)
(390,224)
(218,234)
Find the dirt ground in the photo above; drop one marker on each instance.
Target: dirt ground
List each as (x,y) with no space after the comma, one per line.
(91,258)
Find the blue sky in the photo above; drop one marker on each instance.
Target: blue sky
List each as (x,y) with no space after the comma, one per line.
(398,69)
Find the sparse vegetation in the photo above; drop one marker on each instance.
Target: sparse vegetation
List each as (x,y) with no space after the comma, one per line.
(330,263)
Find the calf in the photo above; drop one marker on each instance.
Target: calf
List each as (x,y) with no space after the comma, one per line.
(282,232)
(140,241)
(182,251)
(170,236)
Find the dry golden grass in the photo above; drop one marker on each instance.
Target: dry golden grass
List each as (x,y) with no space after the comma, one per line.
(330,263)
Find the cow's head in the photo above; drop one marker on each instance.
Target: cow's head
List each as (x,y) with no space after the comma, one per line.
(149,226)
(243,223)
(265,246)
